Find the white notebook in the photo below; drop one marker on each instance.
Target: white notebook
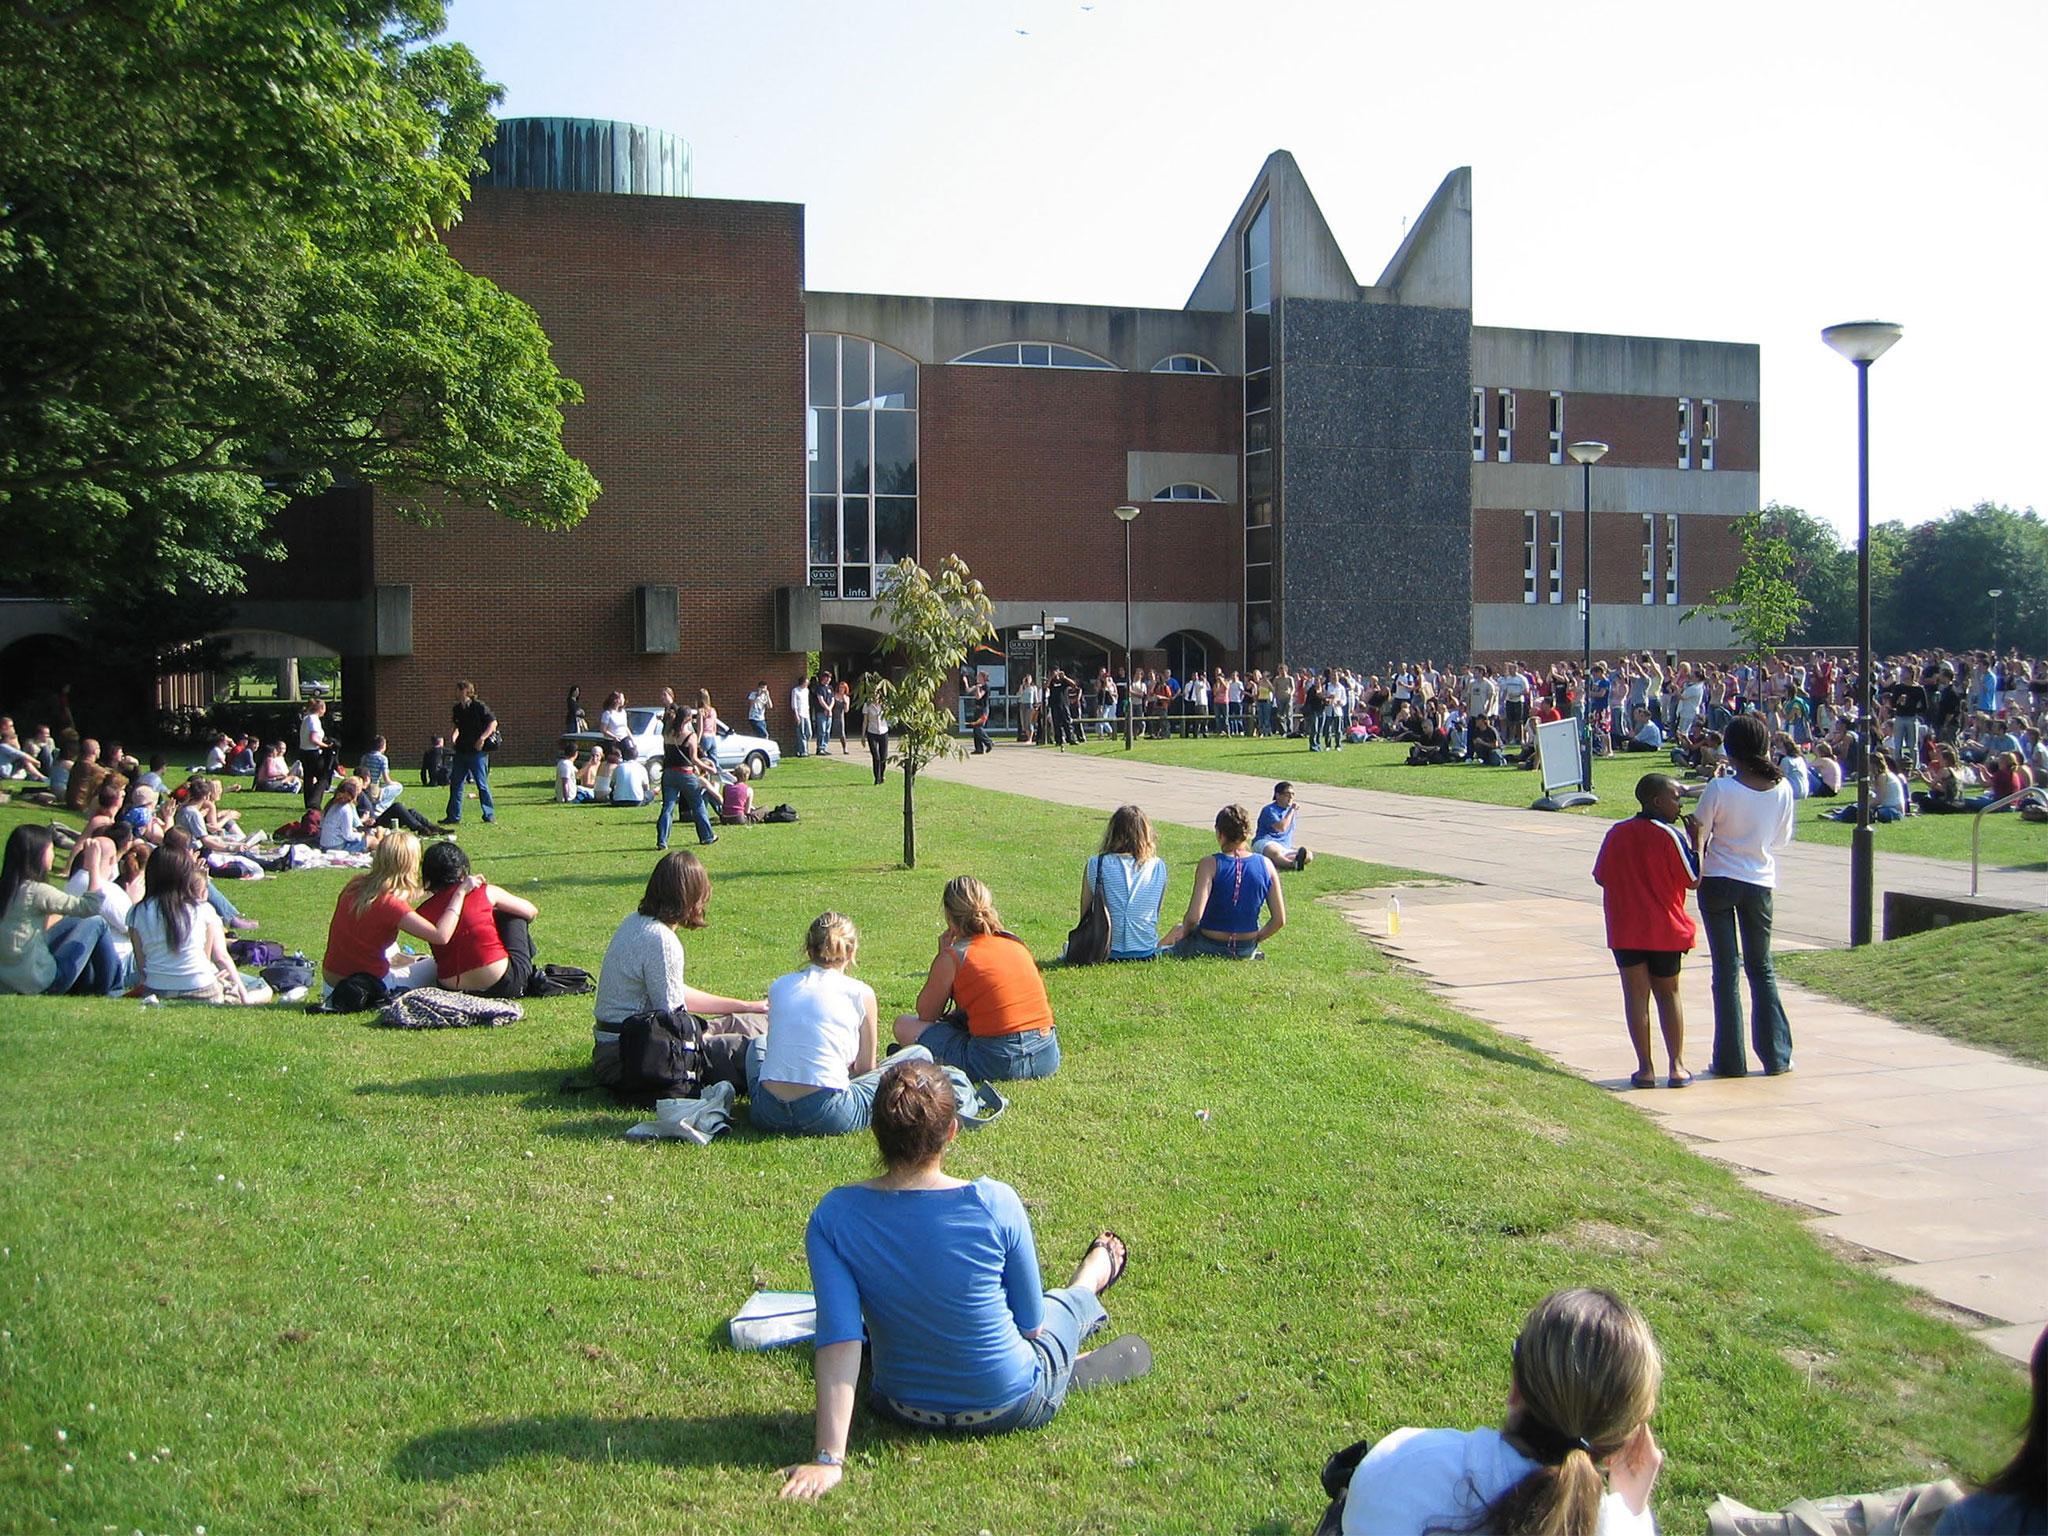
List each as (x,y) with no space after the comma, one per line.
(773,1318)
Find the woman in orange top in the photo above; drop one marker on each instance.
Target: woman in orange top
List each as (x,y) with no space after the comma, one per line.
(999,1024)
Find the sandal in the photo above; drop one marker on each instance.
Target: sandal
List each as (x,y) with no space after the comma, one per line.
(1643,1080)
(1119,1257)
(1678,1080)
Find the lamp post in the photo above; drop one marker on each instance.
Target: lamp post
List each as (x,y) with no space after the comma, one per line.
(1586,455)
(1862,342)
(1995,594)
(1127,515)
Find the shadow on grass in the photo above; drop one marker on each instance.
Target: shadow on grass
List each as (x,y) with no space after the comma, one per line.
(538,1089)
(1470,1046)
(760,1441)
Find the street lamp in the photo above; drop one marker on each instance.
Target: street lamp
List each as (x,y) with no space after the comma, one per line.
(1586,455)
(1863,342)
(1995,594)
(1127,515)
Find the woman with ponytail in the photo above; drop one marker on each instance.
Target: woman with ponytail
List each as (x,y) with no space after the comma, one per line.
(983,1006)
(1743,819)
(1575,1456)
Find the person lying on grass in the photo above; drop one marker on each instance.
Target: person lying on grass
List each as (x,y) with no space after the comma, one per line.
(491,952)
(1583,1384)
(1232,885)
(941,1277)
(1645,867)
(983,1006)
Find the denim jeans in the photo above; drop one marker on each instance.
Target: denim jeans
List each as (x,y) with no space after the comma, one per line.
(1738,919)
(821,732)
(674,785)
(1071,1315)
(470,765)
(803,734)
(824,1111)
(992,1058)
(1194,945)
(87,964)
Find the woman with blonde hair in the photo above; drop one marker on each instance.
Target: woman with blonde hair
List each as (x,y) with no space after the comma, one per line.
(1583,1385)
(814,1073)
(1131,880)
(983,1006)
(707,718)
(374,909)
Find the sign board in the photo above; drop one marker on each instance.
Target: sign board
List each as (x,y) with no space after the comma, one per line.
(1557,753)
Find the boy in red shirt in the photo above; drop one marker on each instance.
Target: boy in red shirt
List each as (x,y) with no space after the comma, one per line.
(1645,867)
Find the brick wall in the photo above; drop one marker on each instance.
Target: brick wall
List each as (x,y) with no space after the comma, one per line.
(1708,555)
(1641,431)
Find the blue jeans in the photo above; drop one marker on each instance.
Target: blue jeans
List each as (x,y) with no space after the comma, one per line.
(1070,1316)
(470,765)
(1738,919)
(803,734)
(83,948)
(674,784)
(821,732)
(1193,945)
(991,1058)
(824,1111)
(219,902)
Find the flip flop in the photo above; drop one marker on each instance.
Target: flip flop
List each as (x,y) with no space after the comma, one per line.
(1122,1359)
(1119,1257)
(1676,1081)
(1643,1080)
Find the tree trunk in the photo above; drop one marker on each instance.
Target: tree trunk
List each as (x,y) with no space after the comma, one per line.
(909,818)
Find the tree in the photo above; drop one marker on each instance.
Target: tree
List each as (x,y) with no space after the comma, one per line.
(221,286)
(931,622)
(1948,567)
(1762,602)
(1823,571)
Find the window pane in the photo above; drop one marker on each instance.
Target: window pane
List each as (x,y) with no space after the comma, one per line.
(895,529)
(853,528)
(1258,546)
(1070,357)
(824,370)
(1258,514)
(1258,342)
(1258,288)
(1258,431)
(856,581)
(853,371)
(821,444)
(824,530)
(1258,390)
(853,452)
(1258,237)
(896,453)
(1034,354)
(895,379)
(1258,477)
(1258,583)
(826,579)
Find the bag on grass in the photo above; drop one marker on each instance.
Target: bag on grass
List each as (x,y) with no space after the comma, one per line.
(1337,1485)
(438,1008)
(255,953)
(781,813)
(659,1057)
(292,971)
(558,981)
(359,992)
(1088,940)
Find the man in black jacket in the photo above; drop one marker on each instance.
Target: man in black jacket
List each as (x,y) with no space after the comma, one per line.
(475,725)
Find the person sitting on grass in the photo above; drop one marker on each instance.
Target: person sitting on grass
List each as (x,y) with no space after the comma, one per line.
(568,790)
(374,909)
(940,1278)
(54,943)
(1231,886)
(736,803)
(643,973)
(2015,1502)
(274,775)
(1485,743)
(180,945)
(1584,1378)
(1645,867)
(814,1073)
(491,951)
(983,1006)
(1827,772)
(230,915)
(1275,838)
(1131,879)
(341,824)
(1646,735)
(629,783)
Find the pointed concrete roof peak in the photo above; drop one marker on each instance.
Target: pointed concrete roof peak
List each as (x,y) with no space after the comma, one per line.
(1308,262)
(1433,266)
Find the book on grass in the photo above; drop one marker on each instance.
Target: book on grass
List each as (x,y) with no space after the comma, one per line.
(774,1318)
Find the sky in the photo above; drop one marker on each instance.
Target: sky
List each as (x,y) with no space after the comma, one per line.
(1732,172)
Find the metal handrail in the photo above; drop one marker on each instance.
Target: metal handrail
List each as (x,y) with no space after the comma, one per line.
(1977,829)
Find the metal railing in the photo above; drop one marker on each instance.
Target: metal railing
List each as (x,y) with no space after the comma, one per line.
(1977,829)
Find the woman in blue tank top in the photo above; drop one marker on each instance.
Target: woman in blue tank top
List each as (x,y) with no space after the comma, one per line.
(1231,886)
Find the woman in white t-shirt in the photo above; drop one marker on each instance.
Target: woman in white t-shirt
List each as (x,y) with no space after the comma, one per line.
(1585,1378)
(1743,819)
(874,724)
(178,938)
(814,1072)
(1132,880)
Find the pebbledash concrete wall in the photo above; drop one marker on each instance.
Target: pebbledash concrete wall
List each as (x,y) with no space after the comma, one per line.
(1376,526)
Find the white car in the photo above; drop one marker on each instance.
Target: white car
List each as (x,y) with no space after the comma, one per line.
(729,749)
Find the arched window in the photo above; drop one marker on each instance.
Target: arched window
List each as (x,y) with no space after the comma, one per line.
(860,444)
(1185,362)
(1033,354)
(1185,490)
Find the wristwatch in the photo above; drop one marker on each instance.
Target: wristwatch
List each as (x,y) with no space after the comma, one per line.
(830,1459)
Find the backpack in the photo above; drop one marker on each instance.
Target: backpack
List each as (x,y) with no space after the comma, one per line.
(359,992)
(659,1057)
(784,812)
(558,981)
(289,974)
(255,953)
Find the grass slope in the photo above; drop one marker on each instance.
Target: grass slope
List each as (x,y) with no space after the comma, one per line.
(1977,982)
(353,1280)
(2008,841)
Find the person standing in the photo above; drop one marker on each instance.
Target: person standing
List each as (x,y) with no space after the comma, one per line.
(475,730)
(874,724)
(822,695)
(800,712)
(1645,866)
(977,718)
(316,753)
(684,769)
(757,708)
(1742,821)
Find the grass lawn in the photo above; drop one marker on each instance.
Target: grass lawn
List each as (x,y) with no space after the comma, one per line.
(275,1272)
(2008,841)
(1977,982)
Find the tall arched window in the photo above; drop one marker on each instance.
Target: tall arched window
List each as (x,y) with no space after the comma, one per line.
(860,443)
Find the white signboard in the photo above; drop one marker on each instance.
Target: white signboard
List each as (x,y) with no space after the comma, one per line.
(1557,753)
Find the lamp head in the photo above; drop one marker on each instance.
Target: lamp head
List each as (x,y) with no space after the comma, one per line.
(1587,452)
(1127,513)
(1862,341)
(1996,592)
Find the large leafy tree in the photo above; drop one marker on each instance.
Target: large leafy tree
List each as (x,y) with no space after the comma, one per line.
(1763,601)
(221,286)
(1948,568)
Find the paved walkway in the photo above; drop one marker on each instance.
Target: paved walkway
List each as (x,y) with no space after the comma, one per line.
(1931,1155)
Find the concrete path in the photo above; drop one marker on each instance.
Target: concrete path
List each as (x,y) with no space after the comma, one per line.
(1931,1155)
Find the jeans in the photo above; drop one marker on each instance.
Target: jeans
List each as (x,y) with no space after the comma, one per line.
(824,1111)
(878,753)
(803,734)
(87,964)
(470,765)
(1738,919)
(1194,945)
(991,1058)
(1070,1316)
(219,902)
(983,742)
(675,783)
(821,731)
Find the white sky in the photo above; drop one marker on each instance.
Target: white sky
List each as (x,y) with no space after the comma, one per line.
(1731,171)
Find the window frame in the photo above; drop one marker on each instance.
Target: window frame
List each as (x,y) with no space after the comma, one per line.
(1478,424)
(1684,432)
(1504,426)
(1202,364)
(1530,530)
(866,502)
(1557,426)
(976,359)
(1204,496)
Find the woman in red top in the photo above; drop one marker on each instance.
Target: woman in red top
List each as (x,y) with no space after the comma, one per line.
(375,908)
(490,953)
(1000,1022)
(1645,867)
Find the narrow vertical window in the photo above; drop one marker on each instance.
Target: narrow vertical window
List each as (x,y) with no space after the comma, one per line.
(1649,558)
(1671,558)
(1557,557)
(1256,250)
(1528,557)
(1504,426)
(1478,426)
(1710,428)
(1556,427)
(1684,433)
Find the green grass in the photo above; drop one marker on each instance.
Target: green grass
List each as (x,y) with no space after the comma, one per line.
(2008,841)
(355,1280)
(1975,982)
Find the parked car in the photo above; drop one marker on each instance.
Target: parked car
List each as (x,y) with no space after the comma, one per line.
(729,749)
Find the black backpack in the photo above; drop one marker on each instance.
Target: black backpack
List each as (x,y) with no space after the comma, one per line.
(559,981)
(659,1058)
